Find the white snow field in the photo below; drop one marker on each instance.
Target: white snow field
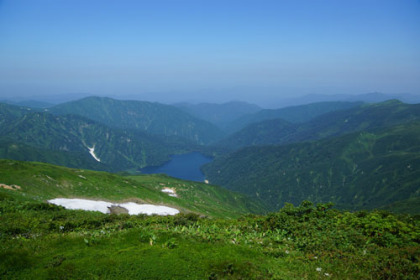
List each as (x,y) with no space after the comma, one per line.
(102,206)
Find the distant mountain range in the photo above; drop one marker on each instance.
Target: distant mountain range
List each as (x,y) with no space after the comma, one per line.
(373,97)
(293,114)
(361,170)
(220,114)
(334,123)
(362,157)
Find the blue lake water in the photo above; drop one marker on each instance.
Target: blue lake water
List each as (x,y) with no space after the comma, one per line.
(186,166)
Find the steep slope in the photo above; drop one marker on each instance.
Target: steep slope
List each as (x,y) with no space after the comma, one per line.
(293,114)
(12,149)
(153,118)
(45,181)
(220,114)
(83,140)
(355,171)
(362,118)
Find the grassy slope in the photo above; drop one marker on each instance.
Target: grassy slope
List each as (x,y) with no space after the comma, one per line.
(38,241)
(44,181)
(356,171)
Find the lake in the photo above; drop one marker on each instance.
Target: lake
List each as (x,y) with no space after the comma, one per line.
(186,166)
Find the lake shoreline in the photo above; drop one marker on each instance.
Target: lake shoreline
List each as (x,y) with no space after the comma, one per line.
(183,166)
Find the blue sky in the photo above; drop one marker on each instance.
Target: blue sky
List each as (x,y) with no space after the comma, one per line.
(209,50)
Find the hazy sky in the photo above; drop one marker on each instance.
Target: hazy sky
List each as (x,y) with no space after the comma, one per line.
(209,50)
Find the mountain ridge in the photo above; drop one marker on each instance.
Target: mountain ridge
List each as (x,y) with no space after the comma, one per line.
(357,170)
(117,149)
(331,124)
(153,118)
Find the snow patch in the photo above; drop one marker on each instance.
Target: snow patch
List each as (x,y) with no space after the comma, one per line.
(92,152)
(103,206)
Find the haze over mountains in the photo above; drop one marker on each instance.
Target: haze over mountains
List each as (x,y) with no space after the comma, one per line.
(45,101)
(317,151)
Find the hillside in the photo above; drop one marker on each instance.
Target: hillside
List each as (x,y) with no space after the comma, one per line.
(12,149)
(85,143)
(42,241)
(42,181)
(363,170)
(262,133)
(10,113)
(153,118)
(293,114)
(360,118)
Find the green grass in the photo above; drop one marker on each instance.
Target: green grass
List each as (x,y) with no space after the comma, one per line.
(41,241)
(44,181)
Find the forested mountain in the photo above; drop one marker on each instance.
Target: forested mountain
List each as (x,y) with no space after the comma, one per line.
(85,143)
(12,149)
(293,114)
(355,171)
(360,118)
(262,133)
(10,113)
(220,114)
(153,118)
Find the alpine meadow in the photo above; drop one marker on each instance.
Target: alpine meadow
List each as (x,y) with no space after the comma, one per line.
(271,139)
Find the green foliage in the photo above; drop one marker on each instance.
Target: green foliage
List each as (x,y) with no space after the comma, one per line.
(364,170)
(45,181)
(335,123)
(153,118)
(66,140)
(305,242)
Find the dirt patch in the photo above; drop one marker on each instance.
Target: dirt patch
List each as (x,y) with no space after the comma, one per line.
(11,187)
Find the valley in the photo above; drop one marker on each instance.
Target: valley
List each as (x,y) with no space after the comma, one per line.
(289,193)
(351,153)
